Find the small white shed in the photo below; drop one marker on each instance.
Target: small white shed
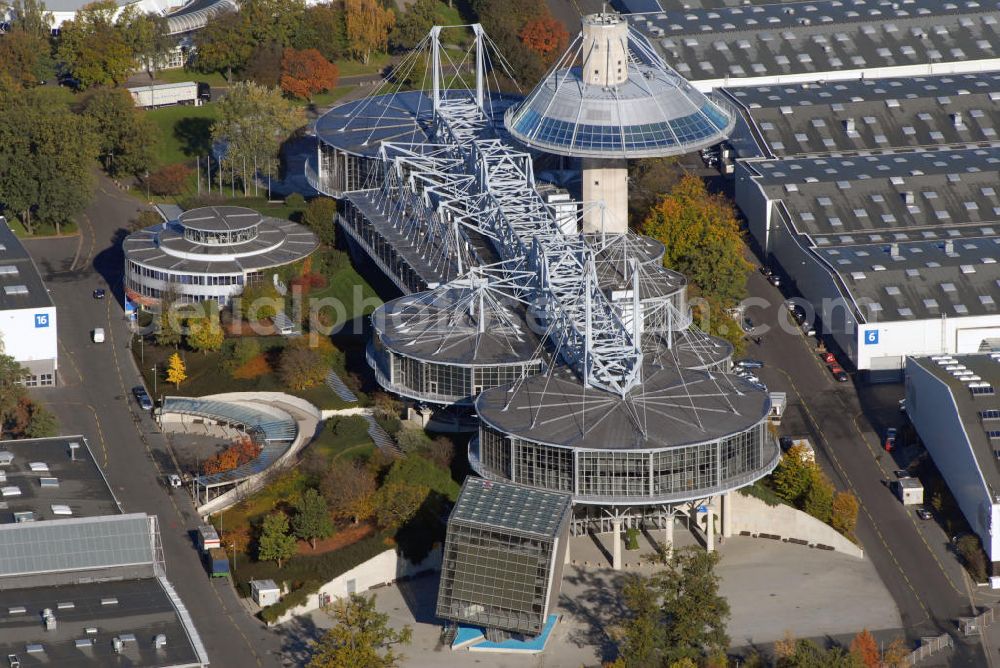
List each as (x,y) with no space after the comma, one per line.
(264,592)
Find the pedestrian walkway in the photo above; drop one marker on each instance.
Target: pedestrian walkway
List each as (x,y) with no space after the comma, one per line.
(339,388)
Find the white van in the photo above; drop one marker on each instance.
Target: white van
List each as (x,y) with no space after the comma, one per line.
(99,335)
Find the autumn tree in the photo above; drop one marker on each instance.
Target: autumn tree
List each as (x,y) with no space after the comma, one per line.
(895,654)
(259,301)
(169,179)
(301,367)
(305,73)
(397,502)
(818,498)
(92,47)
(794,473)
(31,17)
(360,637)
(205,334)
(275,543)
(242,451)
(368,25)
(126,138)
(264,65)
(312,518)
(349,489)
(844,517)
(545,36)
(253,122)
(25,58)
(703,240)
(176,370)
(865,649)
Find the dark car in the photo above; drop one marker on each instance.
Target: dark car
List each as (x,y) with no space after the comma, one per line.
(890,438)
(750,364)
(747,324)
(142,397)
(99,293)
(785,442)
(924,514)
(204,91)
(838,373)
(901,473)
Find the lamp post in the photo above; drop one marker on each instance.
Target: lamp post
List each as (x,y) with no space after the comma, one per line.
(154,380)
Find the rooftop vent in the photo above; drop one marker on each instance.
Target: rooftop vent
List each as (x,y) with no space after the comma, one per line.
(11,290)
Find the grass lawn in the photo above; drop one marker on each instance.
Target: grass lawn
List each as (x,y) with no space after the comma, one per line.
(180,74)
(41,230)
(344,438)
(343,287)
(185,132)
(331,96)
(279,210)
(353,68)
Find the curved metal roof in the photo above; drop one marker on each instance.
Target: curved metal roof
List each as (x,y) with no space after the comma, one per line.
(220,218)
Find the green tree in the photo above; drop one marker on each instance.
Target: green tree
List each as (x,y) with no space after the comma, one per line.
(224,45)
(421,471)
(312,518)
(253,122)
(689,621)
(259,301)
(275,543)
(818,498)
(264,64)
(11,388)
(794,473)
(127,139)
(703,240)
(148,37)
(323,29)
(319,217)
(93,48)
(807,654)
(168,322)
(31,17)
(397,502)
(42,423)
(414,24)
(360,637)
(205,334)
(43,177)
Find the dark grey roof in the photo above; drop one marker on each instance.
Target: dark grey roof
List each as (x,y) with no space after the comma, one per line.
(21,285)
(278,242)
(841,116)
(220,218)
(671,408)
(498,505)
(142,608)
(819,37)
(361,126)
(970,406)
(452,325)
(81,485)
(79,544)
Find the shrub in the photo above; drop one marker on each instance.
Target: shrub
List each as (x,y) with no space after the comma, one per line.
(412,439)
(168,180)
(319,217)
(239,453)
(295,201)
(845,513)
(973,558)
(254,368)
(301,368)
(237,352)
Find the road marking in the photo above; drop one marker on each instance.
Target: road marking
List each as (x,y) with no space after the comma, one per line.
(79,243)
(136,421)
(68,354)
(861,504)
(97,419)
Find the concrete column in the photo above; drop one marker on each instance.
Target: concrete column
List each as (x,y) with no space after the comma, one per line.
(726,511)
(605,50)
(668,534)
(569,542)
(710,529)
(616,544)
(606,180)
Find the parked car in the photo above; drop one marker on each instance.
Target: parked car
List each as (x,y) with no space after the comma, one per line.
(747,324)
(99,293)
(774,280)
(785,442)
(890,439)
(142,398)
(750,364)
(828,358)
(838,373)
(808,329)
(98,335)
(902,405)
(924,514)
(13,661)
(174,480)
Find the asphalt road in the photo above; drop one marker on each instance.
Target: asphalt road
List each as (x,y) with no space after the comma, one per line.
(94,399)
(911,557)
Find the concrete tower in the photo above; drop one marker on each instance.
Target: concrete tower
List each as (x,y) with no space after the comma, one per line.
(609,98)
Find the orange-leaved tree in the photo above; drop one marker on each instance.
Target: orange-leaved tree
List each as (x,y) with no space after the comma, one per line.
(305,73)
(865,649)
(546,36)
(243,450)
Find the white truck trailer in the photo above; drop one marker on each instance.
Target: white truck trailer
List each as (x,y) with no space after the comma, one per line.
(161,95)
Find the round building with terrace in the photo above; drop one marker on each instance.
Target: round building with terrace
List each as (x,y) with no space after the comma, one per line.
(210,253)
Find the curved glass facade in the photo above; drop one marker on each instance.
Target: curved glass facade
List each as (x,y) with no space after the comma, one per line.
(629,476)
(220,237)
(440,383)
(700,126)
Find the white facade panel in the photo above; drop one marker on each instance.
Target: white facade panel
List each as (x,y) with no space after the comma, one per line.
(29,334)
(900,338)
